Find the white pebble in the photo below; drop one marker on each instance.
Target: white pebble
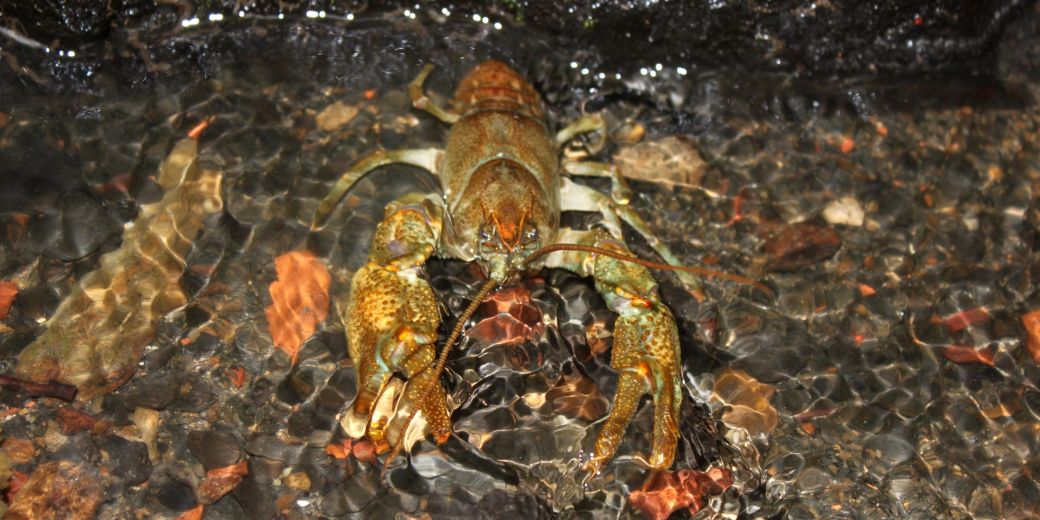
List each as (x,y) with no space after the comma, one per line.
(845,210)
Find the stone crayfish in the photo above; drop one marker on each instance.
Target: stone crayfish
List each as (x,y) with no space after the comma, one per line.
(504,188)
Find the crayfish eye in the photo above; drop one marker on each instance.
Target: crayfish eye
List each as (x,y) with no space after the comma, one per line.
(485,235)
(531,234)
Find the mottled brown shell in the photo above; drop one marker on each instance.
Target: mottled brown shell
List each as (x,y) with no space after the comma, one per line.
(493,85)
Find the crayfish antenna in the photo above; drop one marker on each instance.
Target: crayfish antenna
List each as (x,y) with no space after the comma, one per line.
(551,248)
(442,361)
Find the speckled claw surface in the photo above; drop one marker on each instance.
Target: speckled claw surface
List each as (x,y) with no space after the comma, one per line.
(391,319)
(645,352)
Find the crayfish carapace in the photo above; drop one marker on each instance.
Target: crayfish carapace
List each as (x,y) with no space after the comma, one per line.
(503,191)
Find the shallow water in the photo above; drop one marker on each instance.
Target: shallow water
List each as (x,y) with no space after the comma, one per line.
(888,378)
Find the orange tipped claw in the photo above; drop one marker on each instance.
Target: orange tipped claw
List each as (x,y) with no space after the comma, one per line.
(646,352)
(391,320)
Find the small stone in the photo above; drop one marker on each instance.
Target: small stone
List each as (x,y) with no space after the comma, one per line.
(84,226)
(127,459)
(176,495)
(284,503)
(665,492)
(62,489)
(5,467)
(151,390)
(299,480)
(214,449)
(73,421)
(845,211)
(790,247)
(19,451)
(147,422)
(335,116)
(256,498)
(53,439)
(221,481)
(8,291)
(890,449)
(1031,322)
(749,402)
(813,480)
(671,160)
(195,513)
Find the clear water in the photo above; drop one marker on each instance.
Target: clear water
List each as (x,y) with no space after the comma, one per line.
(873,407)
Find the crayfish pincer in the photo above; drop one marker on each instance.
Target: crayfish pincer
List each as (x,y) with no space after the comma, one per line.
(504,188)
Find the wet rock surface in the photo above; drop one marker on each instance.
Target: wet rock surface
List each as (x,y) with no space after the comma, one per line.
(824,37)
(890,377)
(55,490)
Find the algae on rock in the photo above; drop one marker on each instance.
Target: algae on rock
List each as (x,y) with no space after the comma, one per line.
(95,337)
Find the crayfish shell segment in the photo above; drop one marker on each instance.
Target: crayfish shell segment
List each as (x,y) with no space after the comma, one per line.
(493,85)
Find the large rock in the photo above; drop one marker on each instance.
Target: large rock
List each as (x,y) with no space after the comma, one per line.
(820,35)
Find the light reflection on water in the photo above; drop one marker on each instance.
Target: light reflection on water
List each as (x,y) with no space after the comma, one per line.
(893,395)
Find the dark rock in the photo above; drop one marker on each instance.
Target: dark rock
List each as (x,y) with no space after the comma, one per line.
(77,19)
(298,386)
(155,390)
(193,395)
(79,447)
(270,447)
(205,344)
(327,404)
(226,508)
(38,171)
(300,425)
(823,37)
(127,459)
(255,497)
(408,480)
(336,343)
(79,227)
(794,246)
(37,303)
(344,381)
(214,449)
(176,495)
(360,491)
(699,436)
(335,503)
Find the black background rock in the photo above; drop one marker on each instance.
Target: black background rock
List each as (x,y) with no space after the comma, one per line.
(842,36)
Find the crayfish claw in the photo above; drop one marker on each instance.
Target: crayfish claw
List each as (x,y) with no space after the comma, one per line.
(645,352)
(391,318)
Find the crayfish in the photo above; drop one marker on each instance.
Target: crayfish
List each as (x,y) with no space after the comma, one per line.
(504,188)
